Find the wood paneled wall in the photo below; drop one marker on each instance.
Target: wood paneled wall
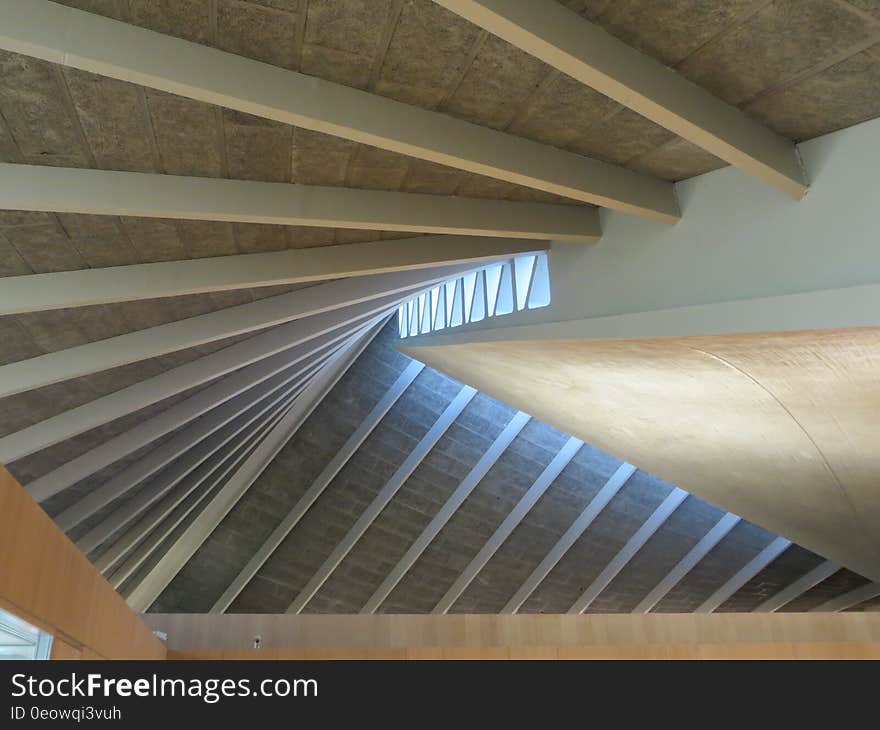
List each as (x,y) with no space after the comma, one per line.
(46,580)
(592,636)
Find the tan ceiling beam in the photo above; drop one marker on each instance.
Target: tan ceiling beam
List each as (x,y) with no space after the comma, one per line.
(586,52)
(102,192)
(87,287)
(110,48)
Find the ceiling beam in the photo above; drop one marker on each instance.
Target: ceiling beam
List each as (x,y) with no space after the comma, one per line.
(456,499)
(192,464)
(149,430)
(687,563)
(381,500)
(849,600)
(744,575)
(151,529)
(628,551)
(821,572)
(321,299)
(65,289)
(187,435)
(317,487)
(526,502)
(150,195)
(304,338)
(175,459)
(611,487)
(586,52)
(147,586)
(99,45)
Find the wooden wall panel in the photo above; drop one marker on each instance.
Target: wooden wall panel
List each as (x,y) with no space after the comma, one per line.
(456,636)
(46,580)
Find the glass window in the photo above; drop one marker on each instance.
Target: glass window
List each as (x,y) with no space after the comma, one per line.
(20,640)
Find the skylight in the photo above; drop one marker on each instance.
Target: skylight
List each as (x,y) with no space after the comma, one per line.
(502,288)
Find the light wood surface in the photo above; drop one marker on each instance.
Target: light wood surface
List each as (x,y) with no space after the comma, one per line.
(457,636)
(46,581)
(780,428)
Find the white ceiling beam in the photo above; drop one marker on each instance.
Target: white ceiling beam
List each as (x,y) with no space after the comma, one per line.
(629,550)
(850,599)
(586,52)
(744,575)
(184,439)
(102,192)
(151,429)
(821,572)
(65,289)
(168,464)
(192,464)
(684,566)
(611,487)
(317,487)
(520,510)
(202,480)
(455,500)
(182,514)
(146,587)
(109,48)
(162,339)
(308,336)
(381,500)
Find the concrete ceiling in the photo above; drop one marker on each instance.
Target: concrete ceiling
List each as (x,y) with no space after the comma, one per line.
(802,68)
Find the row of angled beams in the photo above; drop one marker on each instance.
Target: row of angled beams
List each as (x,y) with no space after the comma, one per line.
(744,575)
(317,487)
(146,586)
(628,551)
(117,50)
(380,501)
(147,530)
(362,296)
(584,51)
(128,553)
(187,436)
(150,195)
(148,524)
(302,339)
(598,503)
(190,467)
(178,415)
(160,471)
(504,530)
(450,506)
(66,289)
(699,551)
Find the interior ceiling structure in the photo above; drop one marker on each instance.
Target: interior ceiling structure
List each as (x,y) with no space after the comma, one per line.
(152,399)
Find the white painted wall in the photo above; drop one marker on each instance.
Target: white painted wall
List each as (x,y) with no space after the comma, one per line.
(737,240)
